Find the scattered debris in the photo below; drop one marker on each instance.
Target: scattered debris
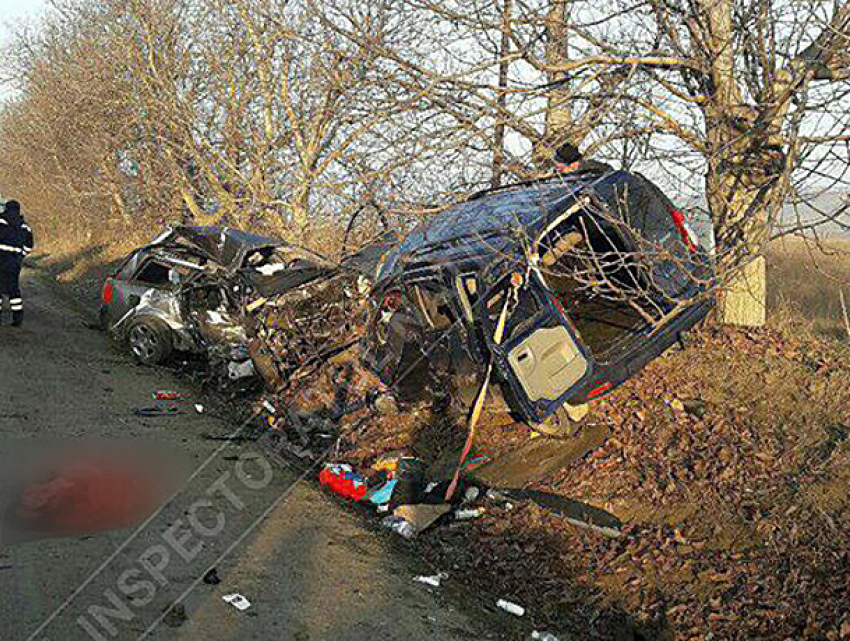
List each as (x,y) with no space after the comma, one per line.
(211,577)
(400,526)
(341,479)
(158,410)
(433,581)
(574,512)
(420,517)
(471,513)
(543,636)
(199,408)
(166,395)
(237,601)
(513,608)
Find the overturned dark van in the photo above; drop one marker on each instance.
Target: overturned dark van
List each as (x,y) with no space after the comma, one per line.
(568,286)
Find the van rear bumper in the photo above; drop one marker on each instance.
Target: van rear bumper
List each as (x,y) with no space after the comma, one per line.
(608,376)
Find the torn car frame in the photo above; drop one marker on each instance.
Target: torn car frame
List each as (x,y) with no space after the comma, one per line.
(187,289)
(571,334)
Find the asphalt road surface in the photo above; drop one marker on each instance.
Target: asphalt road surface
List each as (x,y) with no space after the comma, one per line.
(310,569)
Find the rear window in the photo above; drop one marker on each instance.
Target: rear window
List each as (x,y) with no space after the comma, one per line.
(153,273)
(661,251)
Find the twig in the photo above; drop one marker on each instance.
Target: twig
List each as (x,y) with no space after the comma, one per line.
(844,311)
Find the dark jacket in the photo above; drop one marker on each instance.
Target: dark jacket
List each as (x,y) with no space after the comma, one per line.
(594,167)
(15,237)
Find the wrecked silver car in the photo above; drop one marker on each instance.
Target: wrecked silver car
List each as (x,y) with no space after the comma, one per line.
(188,289)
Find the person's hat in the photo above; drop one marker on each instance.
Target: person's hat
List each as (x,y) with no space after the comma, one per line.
(12,207)
(567,154)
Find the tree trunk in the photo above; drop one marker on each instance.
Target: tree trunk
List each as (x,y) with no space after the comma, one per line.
(735,191)
(559,115)
(743,301)
(501,97)
(739,202)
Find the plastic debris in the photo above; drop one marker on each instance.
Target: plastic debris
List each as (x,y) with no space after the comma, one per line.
(543,636)
(240,370)
(433,581)
(341,479)
(386,405)
(513,608)
(382,494)
(237,601)
(474,513)
(166,395)
(471,494)
(199,408)
(398,525)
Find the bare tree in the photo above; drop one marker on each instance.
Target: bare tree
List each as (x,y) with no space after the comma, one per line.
(746,94)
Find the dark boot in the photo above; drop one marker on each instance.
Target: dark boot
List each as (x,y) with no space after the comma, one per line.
(17,318)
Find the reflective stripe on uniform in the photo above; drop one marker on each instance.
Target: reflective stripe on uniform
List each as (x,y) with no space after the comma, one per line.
(9,248)
(17,308)
(16,301)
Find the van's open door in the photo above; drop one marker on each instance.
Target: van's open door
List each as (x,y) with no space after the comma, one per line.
(541,358)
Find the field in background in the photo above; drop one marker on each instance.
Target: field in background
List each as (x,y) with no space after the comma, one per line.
(803,282)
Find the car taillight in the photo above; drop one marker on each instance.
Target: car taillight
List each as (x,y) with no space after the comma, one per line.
(601,389)
(106,294)
(685,231)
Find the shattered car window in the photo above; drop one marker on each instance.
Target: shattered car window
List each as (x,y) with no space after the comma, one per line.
(154,273)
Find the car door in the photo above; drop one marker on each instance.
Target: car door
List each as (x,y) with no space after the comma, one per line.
(540,357)
(149,282)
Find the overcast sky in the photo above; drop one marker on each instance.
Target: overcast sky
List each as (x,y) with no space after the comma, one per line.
(12,14)
(12,11)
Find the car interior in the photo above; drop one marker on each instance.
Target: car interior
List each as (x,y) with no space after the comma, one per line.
(584,262)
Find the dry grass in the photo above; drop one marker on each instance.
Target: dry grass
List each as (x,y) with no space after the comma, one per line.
(804,281)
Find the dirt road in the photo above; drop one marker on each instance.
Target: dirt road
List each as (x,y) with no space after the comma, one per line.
(310,569)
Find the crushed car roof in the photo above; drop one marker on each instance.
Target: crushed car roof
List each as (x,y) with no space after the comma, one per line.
(224,245)
(513,208)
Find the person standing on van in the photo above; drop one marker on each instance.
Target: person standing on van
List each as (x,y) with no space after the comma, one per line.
(15,242)
(568,159)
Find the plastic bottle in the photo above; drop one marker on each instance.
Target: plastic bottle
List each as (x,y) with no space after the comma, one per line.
(470,513)
(513,608)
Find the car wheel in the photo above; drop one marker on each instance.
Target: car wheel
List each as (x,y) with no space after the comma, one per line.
(149,340)
(565,423)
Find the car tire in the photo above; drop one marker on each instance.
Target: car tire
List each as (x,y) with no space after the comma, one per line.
(560,425)
(149,340)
